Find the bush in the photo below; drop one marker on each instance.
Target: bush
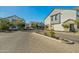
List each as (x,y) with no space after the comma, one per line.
(46,27)
(4,24)
(50,33)
(65,25)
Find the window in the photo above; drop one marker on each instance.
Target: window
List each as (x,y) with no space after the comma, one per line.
(51,18)
(77,13)
(56,16)
(55,19)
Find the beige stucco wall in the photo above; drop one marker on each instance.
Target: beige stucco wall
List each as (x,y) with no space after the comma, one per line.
(68,14)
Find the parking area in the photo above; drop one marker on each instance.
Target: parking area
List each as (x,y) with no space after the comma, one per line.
(27,42)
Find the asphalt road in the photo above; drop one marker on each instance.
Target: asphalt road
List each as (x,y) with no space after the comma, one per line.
(29,42)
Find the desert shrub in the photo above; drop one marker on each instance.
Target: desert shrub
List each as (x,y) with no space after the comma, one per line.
(50,33)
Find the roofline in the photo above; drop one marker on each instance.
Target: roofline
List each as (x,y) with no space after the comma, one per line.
(13,15)
(54,9)
(48,14)
(16,16)
(68,20)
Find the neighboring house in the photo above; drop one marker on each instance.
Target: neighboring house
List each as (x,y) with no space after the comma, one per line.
(57,17)
(27,26)
(15,19)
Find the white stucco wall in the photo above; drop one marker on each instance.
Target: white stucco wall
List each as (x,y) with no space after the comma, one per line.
(58,27)
(65,15)
(47,21)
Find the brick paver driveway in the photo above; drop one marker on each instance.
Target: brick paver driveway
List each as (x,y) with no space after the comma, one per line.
(30,42)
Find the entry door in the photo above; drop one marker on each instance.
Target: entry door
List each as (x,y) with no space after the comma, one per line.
(72,29)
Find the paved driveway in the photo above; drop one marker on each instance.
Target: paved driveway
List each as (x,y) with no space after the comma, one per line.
(70,36)
(31,42)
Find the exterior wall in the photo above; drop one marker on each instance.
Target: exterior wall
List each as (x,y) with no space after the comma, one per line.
(48,22)
(48,18)
(13,18)
(58,27)
(68,14)
(65,15)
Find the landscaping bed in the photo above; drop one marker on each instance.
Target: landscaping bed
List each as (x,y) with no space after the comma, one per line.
(51,33)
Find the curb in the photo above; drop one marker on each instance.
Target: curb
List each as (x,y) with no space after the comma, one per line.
(47,37)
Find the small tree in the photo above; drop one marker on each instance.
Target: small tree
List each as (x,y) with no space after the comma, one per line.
(34,25)
(40,25)
(19,23)
(4,24)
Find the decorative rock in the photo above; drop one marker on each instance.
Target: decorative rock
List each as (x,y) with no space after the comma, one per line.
(68,41)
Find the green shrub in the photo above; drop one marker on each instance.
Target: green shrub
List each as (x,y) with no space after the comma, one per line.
(46,27)
(65,25)
(50,33)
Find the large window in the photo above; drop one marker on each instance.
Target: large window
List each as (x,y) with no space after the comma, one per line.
(56,18)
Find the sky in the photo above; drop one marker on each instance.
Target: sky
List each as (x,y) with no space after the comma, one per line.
(30,13)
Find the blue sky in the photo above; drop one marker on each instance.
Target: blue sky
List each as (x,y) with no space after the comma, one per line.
(29,13)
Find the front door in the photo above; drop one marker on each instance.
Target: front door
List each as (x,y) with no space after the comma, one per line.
(72,28)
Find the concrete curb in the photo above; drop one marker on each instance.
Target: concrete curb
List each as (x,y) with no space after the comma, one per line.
(47,37)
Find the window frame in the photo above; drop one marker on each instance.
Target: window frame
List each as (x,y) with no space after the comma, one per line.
(58,15)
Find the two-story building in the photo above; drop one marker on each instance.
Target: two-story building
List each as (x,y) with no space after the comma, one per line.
(57,17)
